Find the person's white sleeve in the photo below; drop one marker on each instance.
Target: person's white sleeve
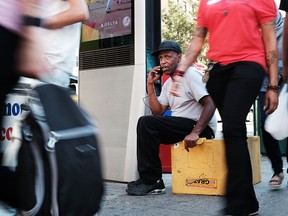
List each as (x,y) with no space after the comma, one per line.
(197,86)
(163,97)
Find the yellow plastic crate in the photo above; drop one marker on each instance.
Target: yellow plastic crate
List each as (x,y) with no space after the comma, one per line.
(203,169)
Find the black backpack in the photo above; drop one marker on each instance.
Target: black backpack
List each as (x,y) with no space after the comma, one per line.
(59,167)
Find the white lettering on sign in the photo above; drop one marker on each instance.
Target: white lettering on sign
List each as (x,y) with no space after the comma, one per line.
(109,24)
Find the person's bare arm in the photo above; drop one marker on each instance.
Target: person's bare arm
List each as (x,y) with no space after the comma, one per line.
(77,12)
(190,57)
(206,115)
(270,44)
(32,7)
(31,60)
(194,48)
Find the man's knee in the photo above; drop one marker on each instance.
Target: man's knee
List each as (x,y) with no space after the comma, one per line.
(147,123)
(144,121)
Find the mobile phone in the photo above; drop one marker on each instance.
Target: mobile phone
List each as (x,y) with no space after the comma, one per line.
(159,72)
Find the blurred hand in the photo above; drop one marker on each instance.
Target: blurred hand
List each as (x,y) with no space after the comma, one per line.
(32,62)
(176,85)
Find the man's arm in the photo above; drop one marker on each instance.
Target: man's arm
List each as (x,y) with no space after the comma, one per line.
(205,117)
(194,48)
(77,12)
(32,8)
(30,57)
(190,57)
(155,107)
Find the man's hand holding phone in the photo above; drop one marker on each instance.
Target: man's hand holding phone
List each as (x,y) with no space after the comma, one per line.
(154,75)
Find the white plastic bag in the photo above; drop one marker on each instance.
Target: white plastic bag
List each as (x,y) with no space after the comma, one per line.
(277,123)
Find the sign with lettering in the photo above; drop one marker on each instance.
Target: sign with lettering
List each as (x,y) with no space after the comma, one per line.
(107,20)
(202,182)
(12,108)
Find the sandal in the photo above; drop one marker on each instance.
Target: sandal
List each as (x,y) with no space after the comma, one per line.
(276,180)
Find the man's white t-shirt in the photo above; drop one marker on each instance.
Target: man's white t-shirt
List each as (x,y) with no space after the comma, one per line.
(187,104)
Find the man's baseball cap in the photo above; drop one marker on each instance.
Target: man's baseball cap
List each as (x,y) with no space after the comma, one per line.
(167,46)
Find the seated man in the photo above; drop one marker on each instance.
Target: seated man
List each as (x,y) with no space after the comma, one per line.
(192,117)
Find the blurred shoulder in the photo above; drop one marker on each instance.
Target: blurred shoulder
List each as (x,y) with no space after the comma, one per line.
(194,71)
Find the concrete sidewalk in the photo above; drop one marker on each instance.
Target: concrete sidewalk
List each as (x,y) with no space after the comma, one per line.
(117,203)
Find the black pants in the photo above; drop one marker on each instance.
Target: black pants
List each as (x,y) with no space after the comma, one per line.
(271,145)
(155,130)
(8,78)
(234,88)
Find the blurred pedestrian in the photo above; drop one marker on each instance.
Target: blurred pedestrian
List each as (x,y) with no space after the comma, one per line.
(16,20)
(242,47)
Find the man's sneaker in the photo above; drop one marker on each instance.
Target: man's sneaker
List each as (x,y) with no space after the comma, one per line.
(139,188)
(134,183)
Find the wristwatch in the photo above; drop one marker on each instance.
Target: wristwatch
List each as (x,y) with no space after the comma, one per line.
(32,21)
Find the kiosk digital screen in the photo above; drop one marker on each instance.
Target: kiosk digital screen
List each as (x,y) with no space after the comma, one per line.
(109,25)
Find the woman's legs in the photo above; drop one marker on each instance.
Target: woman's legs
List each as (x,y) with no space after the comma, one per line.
(234,89)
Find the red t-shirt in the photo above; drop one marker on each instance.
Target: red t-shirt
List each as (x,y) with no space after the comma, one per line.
(234,28)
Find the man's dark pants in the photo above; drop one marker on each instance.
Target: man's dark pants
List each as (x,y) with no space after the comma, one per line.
(155,130)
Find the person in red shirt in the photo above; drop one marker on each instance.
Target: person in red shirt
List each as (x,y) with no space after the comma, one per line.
(242,46)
